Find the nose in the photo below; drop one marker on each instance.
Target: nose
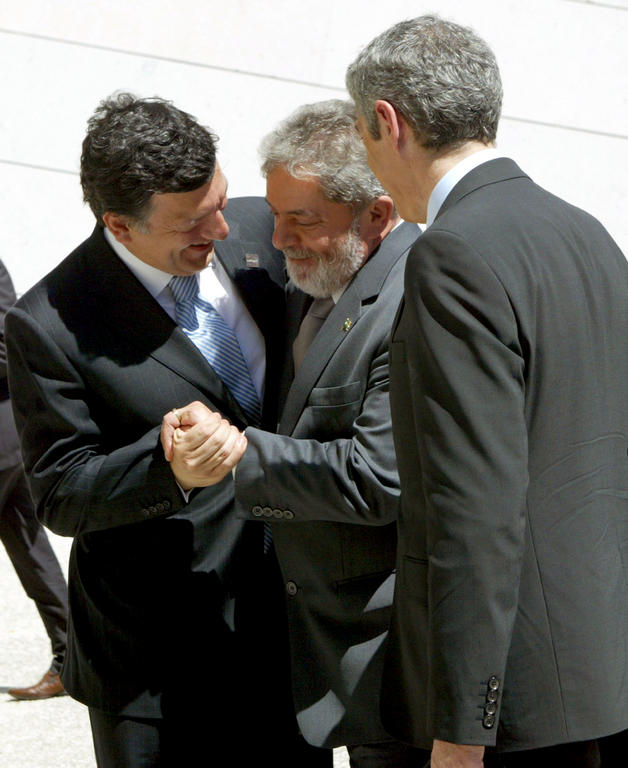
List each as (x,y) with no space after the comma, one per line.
(284,235)
(216,227)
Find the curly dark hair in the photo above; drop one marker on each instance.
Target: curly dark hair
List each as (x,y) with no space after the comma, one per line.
(135,148)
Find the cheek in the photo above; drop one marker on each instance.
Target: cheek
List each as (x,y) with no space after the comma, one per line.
(321,244)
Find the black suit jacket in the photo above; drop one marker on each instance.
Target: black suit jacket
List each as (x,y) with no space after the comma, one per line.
(509,393)
(94,364)
(9,442)
(329,484)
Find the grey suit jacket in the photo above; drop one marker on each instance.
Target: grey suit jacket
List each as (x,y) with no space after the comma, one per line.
(509,393)
(94,363)
(329,484)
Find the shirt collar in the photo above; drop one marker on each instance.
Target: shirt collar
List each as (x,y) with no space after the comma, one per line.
(453,176)
(153,279)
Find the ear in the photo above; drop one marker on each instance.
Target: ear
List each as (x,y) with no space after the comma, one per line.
(118,226)
(388,121)
(392,124)
(377,220)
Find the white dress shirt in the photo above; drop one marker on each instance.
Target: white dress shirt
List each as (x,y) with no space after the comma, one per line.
(453,176)
(217,288)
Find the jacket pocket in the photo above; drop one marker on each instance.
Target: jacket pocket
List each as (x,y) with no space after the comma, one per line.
(345,394)
(331,412)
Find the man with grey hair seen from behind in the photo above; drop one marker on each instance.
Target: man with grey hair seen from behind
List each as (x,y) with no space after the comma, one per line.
(509,382)
(328,482)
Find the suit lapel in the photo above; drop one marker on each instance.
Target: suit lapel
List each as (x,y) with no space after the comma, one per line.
(248,262)
(297,304)
(491,172)
(342,320)
(139,322)
(257,270)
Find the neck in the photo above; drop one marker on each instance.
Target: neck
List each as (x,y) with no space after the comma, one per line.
(444,160)
(428,166)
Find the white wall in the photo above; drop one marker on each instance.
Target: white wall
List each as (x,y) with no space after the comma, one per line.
(240,66)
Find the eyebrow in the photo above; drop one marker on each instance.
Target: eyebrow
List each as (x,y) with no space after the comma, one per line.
(198,218)
(295,211)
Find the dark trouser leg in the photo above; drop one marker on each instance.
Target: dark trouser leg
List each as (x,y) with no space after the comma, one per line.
(387,754)
(581,754)
(614,750)
(33,558)
(202,740)
(268,714)
(125,742)
(129,742)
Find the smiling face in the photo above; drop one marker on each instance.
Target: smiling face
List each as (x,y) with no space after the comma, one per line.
(320,239)
(179,232)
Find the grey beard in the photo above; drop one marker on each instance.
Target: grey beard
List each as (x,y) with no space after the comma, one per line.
(332,272)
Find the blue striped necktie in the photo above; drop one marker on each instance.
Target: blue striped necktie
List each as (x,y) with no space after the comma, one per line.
(216,341)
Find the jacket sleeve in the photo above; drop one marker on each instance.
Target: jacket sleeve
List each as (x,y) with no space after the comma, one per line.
(465,358)
(7,299)
(80,480)
(350,478)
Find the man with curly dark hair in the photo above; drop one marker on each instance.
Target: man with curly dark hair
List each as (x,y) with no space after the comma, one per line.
(138,319)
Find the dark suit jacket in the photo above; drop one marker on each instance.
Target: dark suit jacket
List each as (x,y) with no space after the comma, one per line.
(329,483)
(9,442)
(94,364)
(509,392)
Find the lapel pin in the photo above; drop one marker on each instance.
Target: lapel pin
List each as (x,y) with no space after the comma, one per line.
(347,324)
(252,260)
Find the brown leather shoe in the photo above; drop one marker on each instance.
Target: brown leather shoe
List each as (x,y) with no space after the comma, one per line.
(50,685)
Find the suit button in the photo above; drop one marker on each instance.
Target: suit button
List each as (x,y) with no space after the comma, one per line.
(267,512)
(490,708)
(288,514)
(159,507)
(278,513)
(491,695)
(166,504)
(145,512)
(493,683)
(291,588)
(257,511)
(488,721)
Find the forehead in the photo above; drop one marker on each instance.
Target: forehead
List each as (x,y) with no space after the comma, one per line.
(175,206)
(287,195)
(283,191)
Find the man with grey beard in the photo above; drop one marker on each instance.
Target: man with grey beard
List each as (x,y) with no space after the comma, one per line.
(327,483)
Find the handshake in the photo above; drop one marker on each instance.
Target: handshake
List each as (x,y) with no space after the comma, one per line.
(200,445)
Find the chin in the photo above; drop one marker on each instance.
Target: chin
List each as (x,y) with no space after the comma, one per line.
(198,261)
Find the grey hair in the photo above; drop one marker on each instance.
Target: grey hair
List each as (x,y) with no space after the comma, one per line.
(321,140)
(440,76)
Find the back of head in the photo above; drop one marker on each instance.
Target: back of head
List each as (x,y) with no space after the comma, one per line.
(320,140)
(135,148)
(440,76)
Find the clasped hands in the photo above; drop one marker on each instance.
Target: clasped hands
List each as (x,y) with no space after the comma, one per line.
(200,445)
(202,449)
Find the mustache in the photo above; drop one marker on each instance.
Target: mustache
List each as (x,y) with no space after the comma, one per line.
(299,253)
